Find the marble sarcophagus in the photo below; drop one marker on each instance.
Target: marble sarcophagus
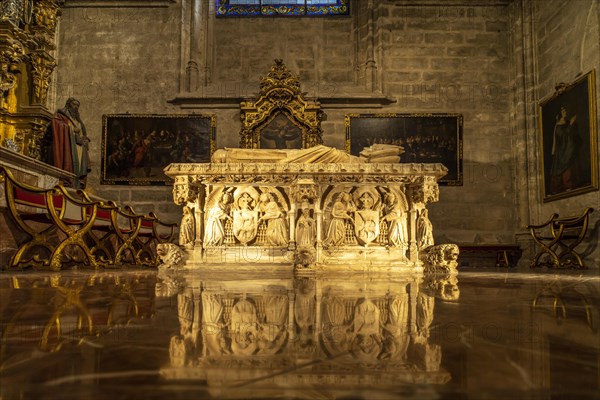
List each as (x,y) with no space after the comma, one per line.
(315,207)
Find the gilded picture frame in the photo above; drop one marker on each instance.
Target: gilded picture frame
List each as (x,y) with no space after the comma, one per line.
(426,138)
(137,147)
(568,151)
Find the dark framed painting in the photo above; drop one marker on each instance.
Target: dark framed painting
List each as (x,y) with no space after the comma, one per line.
(137,147)
(568,140)
(426,138)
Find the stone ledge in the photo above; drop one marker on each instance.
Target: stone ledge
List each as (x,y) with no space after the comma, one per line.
(14,160)
(117,3)
(300,168)
(372,100)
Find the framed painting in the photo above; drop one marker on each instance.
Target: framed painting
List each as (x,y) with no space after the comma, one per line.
(136,148)
(568,140)
(426,138)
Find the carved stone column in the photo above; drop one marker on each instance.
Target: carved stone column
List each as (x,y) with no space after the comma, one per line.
(291,315)
(412,234)
(185,193)
(199,216)
(421,191)
(192,68)
(413,290)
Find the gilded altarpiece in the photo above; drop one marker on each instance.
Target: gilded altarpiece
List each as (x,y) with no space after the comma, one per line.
(27,43)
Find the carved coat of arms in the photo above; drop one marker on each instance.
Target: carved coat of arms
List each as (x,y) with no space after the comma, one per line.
(366,225)
(245,225)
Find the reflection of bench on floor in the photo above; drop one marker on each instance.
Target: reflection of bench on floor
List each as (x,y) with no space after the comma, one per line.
(558,238)
(507,255)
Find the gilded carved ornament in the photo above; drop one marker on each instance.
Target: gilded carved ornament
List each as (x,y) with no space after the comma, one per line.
(11,10)
(42,66)
(25,62)
(46,13)
(280,93)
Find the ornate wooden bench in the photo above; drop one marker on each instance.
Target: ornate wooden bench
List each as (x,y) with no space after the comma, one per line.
(113,235)
(54,222)
(152,232)
(558,239)
(64,227)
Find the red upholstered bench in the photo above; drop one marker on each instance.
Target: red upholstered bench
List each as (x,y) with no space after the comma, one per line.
(52,220)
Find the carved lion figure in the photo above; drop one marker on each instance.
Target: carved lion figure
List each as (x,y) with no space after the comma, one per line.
(171,255)
(440,258)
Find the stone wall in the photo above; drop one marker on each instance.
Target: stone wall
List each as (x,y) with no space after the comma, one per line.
(552,42)
(426,58)
(119,60)
(455,59)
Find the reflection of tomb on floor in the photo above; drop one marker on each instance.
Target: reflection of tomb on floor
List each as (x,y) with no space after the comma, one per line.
(284,332)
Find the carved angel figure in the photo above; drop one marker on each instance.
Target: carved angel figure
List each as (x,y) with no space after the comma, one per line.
(212,335)
(337,227)
(214,232)
(424,230)
(395,215)
(398,338)
(277,232)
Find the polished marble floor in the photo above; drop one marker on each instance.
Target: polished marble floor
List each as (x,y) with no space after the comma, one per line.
(481,334)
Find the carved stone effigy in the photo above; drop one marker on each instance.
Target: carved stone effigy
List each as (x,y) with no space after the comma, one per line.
(309,207)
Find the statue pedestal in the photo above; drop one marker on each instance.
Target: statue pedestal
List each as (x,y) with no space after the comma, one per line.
(313,215)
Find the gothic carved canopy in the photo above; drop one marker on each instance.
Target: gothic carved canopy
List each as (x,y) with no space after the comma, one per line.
(280,117)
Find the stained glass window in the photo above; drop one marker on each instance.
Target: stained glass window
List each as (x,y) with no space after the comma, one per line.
(271,8)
